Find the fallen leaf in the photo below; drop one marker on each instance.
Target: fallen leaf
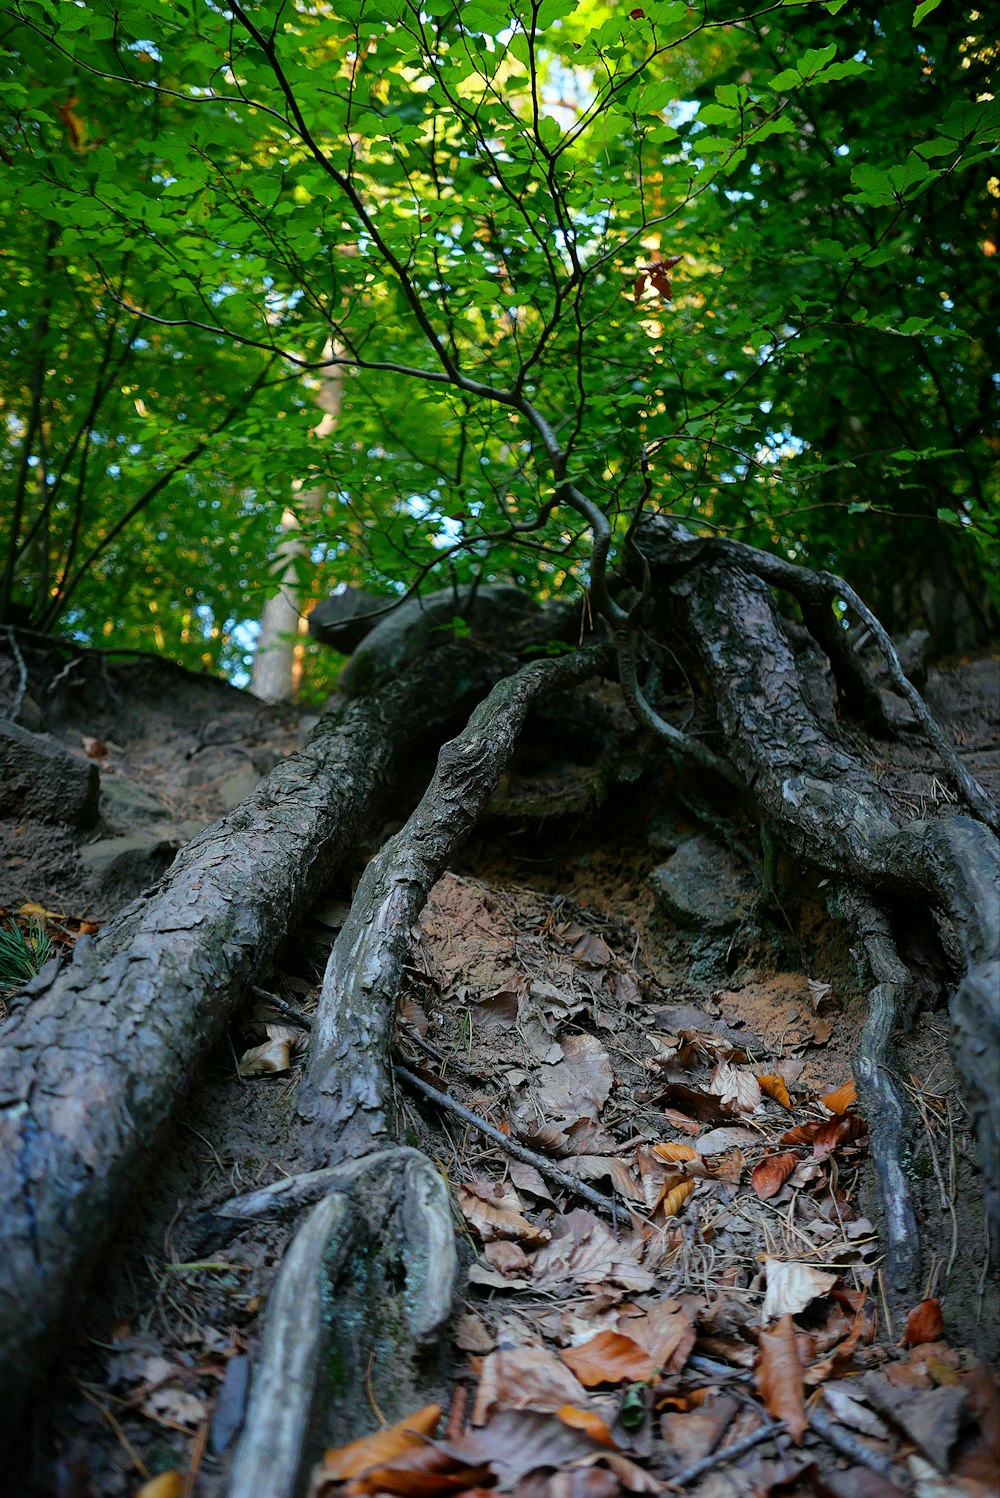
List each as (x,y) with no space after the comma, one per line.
(717,1141)
(852,1413)
(378,1449)
(274,1056)
(791,1286)
(529,1378)
(607,1167)
(674,1152)
(164,1485)
(667,1334)
(692,1436)
(775,1087)
(609,1358)
(735,1086)
(675,1197)
(930,1417)
(587,1421)
(495,1212)
(842,1128)
(509,1258)
(779,1378)
(94,748)
(691,1102)
(840,1100)
(770,1175)
(583,1251)
(924,1324)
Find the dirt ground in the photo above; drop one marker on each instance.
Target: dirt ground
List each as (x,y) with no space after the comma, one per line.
(605,975)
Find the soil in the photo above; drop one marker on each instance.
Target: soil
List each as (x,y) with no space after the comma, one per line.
(544,963)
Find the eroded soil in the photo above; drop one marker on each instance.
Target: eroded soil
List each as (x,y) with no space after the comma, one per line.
(566,989)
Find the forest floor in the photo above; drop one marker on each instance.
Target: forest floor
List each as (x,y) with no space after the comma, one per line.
(604,976)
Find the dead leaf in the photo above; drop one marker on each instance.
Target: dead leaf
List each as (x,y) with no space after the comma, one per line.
(583,1251)
(587,1421)
(692,1436)
(164,1485)
(691,1103)
(735,1086)
(528,1378)
(924,1324)
(580,1083)
(717,1141)
(378,1449)
(274,1056)
(472,1334)
(170,1403)
(509,1258)
(793,1285)
(775,1087)
(609,1358)
(527,1178)
(94,748)
(675,1197)
(667,1334)
(675,1152)
(930,1417)
(842,1099)
(770,1175)
(495,1212)
(842,1128)
(607,1167)
(779,1378)
(852,1413)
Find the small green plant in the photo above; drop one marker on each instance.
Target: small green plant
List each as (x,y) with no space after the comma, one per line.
(22,953)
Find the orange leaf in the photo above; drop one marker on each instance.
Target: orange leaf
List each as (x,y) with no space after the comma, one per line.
(841,1100)
(672,1200)
(592,1425)
(842,1128)
(421,1474)
(770,1175)
(779,1378)
(776,1087)
(924,1324)
(675,1152)
(609,1358)
(382,1446)
(801,1134)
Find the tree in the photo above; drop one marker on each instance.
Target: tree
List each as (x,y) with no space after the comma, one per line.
(506,227)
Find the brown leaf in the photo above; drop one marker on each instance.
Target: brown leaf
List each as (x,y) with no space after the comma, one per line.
(609,1358)
(736,1087)
(590,1423)
(666,1333)
(930,1417)
(607,1168)
(770,1175)
(675,1152)
(779,1378)
(580,1083)
(165,1485)
(776,1087)
(528,1378)
(495,1212)
(840,1100)
(693,1103)
(924,1324)
(842,1128)
(674,1197)
(735,1136)
(509,1258)
(585,1252)
(381,1447)
(692,1436)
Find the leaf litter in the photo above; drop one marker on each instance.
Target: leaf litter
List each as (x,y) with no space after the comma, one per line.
(731,1302)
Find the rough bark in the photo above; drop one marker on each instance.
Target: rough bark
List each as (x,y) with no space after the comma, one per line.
(825,806)
(347,1089)
(94,1058)
(348,1101)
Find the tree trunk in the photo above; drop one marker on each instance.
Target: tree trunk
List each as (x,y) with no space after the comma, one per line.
(828,810)
(274,677)
(96,1055)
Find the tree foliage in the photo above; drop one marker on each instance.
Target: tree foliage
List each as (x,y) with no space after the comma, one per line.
(573,255)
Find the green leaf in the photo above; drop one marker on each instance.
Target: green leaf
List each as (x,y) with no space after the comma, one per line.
(924,9)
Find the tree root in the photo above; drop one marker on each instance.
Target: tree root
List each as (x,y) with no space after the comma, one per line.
(362,1299)
(823,803)
(346,1102)
(96,1054)
(880,1098)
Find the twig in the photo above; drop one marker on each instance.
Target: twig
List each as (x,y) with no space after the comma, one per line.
(847,1445)
(287,1009)
(725,1454)
(22,673)
(510,1146)
(133,1455)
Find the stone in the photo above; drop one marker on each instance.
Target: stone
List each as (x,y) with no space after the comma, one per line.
(343,620)
(703,886)
(122,867)
(42,779)
(419,624)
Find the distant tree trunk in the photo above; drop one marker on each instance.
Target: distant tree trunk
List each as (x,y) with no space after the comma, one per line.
(276,665)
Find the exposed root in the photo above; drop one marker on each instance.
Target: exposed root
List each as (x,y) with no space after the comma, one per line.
(881,1099)
(372,1269)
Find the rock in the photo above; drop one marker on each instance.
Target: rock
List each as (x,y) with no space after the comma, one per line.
(41,779)
(122,867)
(237,785)
(126,804)
(419,624)
(340,620)
(703,886)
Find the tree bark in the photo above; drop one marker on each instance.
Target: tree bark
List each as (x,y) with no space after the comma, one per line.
(95,1056)
(825,806)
